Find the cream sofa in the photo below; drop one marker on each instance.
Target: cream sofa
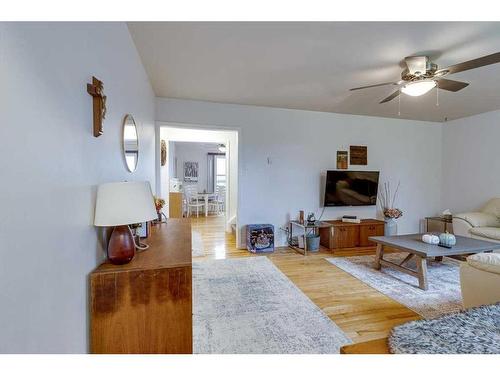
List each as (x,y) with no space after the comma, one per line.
(480,279)
(483,224)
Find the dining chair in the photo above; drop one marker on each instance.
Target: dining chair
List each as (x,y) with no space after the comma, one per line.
(192,200)
(213,204)
(216,204)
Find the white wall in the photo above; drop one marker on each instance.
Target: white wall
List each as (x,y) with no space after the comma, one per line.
(471,161)
(195,152)
(50,166)
(302,145)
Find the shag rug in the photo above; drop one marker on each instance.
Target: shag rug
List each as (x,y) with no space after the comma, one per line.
(197,244)
(442,297)
(248,306)
(475,331)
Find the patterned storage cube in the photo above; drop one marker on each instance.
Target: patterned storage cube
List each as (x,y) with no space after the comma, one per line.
(260,238)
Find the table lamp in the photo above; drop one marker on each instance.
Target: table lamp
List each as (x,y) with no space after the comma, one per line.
(119,204)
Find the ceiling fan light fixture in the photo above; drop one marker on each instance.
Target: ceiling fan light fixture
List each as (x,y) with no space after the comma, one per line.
(418,88)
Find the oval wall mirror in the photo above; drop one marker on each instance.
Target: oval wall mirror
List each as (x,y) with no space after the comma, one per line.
(130,143)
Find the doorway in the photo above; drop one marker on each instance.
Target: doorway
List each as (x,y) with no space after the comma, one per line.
(201,172)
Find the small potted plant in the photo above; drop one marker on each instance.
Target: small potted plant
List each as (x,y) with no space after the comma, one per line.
(159,204)
(391,213)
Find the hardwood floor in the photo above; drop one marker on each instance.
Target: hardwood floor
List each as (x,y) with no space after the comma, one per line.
(217,243)
(362,312)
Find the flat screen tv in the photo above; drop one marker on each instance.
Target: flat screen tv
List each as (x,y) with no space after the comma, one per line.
(351,188)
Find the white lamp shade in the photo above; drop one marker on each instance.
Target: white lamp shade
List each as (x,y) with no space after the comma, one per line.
(123,203)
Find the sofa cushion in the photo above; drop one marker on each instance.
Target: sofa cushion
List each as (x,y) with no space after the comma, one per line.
(492,207)
(488,232)
(479,219)
(489,262)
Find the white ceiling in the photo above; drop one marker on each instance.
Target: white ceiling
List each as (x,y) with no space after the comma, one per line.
(311,66)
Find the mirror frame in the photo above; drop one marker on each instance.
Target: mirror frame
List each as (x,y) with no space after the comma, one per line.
(125,119)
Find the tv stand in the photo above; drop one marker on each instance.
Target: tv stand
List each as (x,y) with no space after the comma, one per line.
(341,236)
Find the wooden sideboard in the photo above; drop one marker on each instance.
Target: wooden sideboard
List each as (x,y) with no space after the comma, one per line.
(145,306)
(350,235)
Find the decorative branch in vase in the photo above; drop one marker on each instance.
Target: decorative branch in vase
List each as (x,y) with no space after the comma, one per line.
(387,201)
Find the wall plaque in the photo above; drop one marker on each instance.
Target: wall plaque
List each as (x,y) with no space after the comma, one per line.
(359,155)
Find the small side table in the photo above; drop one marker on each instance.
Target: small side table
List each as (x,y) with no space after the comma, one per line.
(306,228)
(446,222)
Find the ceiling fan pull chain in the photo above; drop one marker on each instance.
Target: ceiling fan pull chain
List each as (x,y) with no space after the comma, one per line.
(399,103)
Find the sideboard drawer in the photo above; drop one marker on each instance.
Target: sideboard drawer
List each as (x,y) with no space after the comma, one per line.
(368,231)
(345,237)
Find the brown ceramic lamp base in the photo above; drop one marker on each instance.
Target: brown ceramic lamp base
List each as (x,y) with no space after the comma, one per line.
(121,247)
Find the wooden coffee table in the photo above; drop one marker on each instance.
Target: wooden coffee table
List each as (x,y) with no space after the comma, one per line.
(416,248)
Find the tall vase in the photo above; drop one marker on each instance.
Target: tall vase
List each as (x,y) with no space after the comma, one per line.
(390,227)
(121,246)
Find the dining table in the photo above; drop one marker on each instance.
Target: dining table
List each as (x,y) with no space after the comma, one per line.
(205,197)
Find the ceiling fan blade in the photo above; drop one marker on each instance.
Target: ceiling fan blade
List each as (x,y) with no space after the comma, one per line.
(450,85)
(377,85)
(471,64)
(390,97)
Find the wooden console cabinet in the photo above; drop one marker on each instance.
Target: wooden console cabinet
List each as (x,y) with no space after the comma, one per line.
(145,306)
(175,210)
(350,235)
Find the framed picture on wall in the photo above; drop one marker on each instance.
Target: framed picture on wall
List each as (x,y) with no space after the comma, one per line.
(341,159)
(359,155)
(191,171)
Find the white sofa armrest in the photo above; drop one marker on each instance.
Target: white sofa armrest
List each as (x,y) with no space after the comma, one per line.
(478,219)
(478,287)
(461,227)
(488,262)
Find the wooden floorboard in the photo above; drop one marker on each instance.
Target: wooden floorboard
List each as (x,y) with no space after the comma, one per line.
(378,346)
(362,312)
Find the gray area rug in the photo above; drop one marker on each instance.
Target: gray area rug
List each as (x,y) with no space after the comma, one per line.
(197,244)
(248,306)
(443,295)
(475,331)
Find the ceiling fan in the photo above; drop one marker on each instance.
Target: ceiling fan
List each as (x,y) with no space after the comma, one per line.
(421,75)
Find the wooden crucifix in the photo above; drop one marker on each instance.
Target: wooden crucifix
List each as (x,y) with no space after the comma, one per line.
(96,89)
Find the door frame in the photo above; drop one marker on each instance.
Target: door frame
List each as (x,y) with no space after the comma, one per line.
(229,154)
